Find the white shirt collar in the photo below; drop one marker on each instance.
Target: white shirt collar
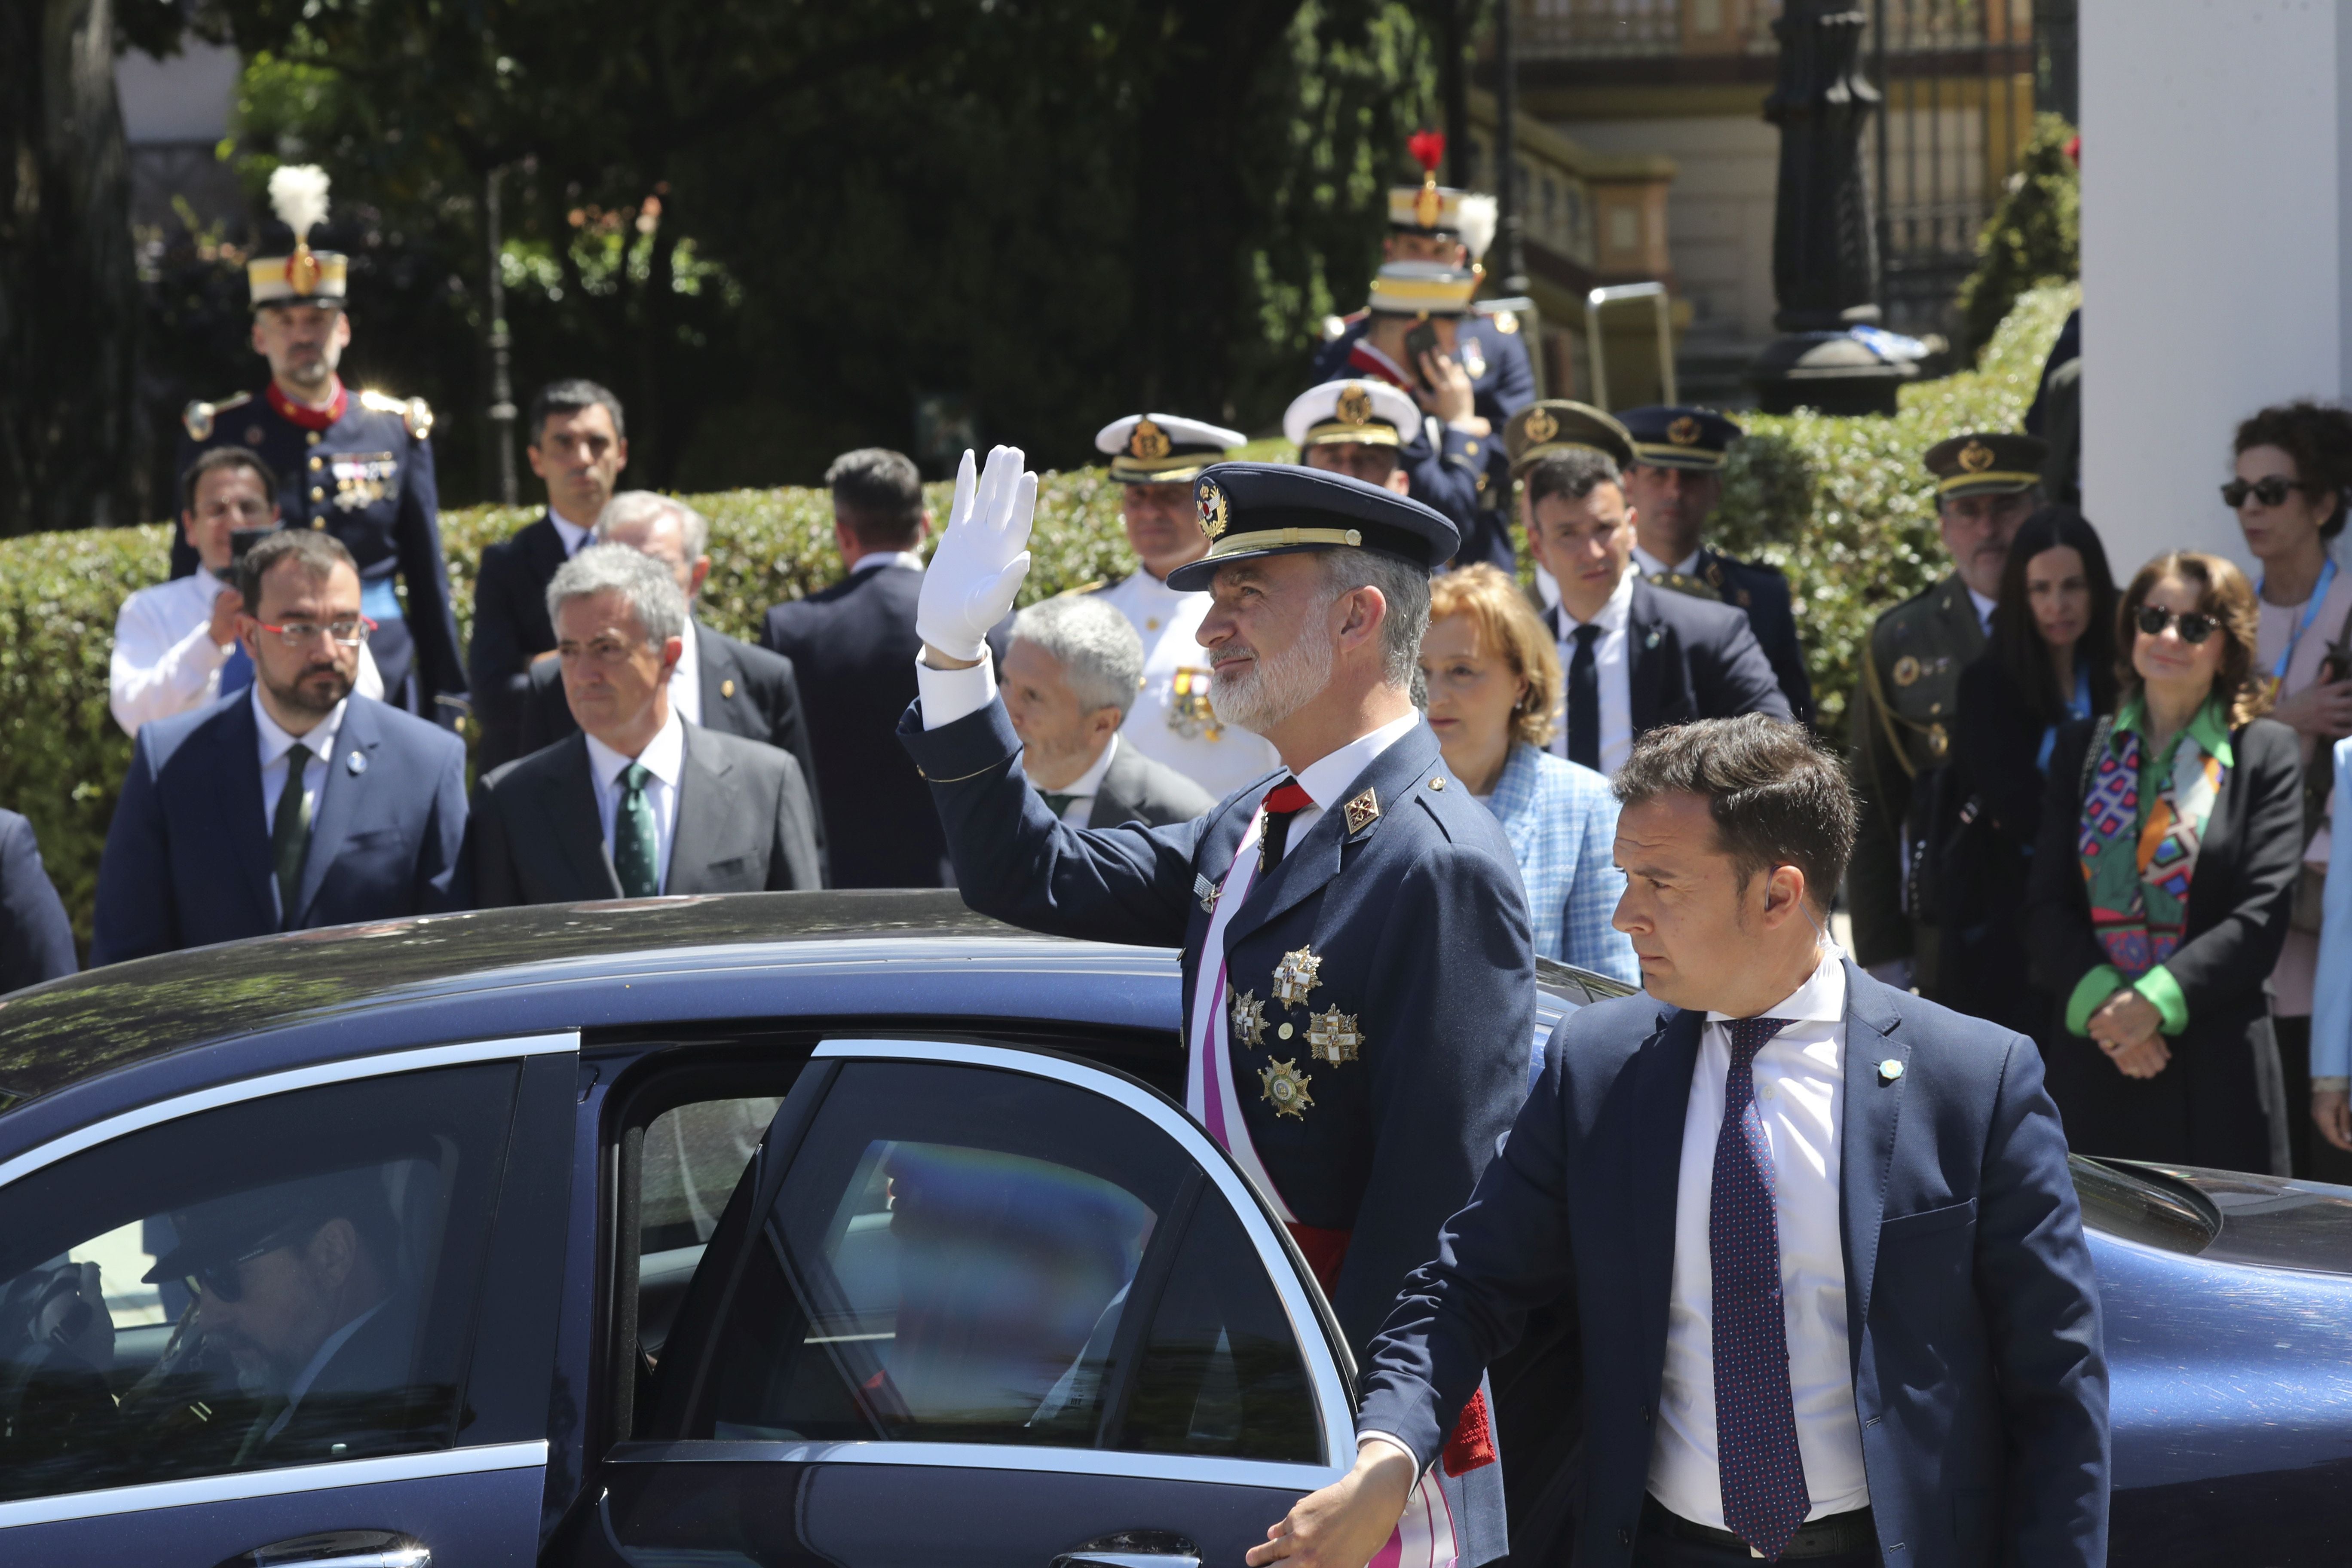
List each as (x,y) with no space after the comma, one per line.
(1612,615)
(664,756)
(571,532)
(882,558)
(1820,999)
(1325,778)
(275,742)
(1651,565)
(1985,608)
(1091,781)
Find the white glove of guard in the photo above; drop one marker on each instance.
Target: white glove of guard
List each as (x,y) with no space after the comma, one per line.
(982,558)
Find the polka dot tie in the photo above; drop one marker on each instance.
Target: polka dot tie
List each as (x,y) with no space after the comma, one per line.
(1762,1474)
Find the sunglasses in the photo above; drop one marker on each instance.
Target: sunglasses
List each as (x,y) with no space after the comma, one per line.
(2194,627)
(2272,491)
(225,1280)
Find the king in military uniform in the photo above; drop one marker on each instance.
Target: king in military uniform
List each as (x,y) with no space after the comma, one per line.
(1675,483)
(359,466)
(1154,458)
(1358,971)
(1900,717)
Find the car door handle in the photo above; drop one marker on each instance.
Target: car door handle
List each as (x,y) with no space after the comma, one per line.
(1133,1549)
(340,1549)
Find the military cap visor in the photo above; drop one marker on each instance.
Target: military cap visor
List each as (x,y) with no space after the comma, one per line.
(1422,289)
(1667,436)
(1163,448)
(225,1230)
(1556,424)
(1251,510)
(1986,463)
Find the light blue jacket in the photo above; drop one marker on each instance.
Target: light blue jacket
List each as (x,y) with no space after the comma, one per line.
(1561,820)
(2331,991)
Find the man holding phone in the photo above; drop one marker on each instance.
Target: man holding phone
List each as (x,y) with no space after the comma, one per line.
(1410,341)
(175,643)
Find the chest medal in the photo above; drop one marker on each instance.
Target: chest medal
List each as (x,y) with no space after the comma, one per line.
(1285,1089)
(1248,1019)
(1189,713)
(1333,1038)
(1295,975)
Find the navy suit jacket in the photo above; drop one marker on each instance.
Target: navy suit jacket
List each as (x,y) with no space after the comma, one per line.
(1423,931)
(187,856)
(36,938)
(1973,1314)
(510,626)
(1691,659)
(1763,593)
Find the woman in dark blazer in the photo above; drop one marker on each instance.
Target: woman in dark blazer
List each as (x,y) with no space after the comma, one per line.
(2162,884)
(2050,658)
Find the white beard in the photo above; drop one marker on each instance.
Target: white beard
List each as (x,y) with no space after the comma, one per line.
(1273,688)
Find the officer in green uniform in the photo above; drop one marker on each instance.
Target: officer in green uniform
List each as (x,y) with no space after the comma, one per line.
(1900,720)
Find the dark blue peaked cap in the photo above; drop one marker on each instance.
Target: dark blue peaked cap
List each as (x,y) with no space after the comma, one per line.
(1249,509)
(1672,437)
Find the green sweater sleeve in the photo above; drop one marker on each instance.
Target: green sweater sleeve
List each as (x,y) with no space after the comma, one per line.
(2090,993)
(2159,987)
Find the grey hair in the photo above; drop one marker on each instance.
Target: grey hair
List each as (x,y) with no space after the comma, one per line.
(1097,647)
(651,592)
(1406,586)
(651,506)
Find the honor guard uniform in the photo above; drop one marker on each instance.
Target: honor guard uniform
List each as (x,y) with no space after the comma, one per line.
(1697,441)
(1359,977)
(1447,465)
(361,468)
(1900,719)
(1171,721)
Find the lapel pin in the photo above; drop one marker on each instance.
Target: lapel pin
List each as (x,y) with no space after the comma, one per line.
(1889,1070)
(1362,810)
(1652,640)
(356,763)
(726,687)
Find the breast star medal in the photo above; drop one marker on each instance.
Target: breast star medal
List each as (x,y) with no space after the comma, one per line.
(1295,975)
(1285,1088)
(1333,1038)
(1249,1019)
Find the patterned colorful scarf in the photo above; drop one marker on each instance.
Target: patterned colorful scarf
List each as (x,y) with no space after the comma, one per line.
(2139,902)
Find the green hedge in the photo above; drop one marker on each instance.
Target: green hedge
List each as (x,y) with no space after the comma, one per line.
(1842,505)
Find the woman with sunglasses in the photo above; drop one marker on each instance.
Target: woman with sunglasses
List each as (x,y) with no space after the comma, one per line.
(2050,658)
(2294,466)
(2161,881)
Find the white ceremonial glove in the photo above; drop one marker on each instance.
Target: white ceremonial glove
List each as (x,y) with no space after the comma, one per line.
(982,558)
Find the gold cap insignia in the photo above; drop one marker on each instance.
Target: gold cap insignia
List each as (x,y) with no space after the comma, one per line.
(1333,1038)
(1149,442)
(1976,457)
(1684,432)
(1362,811)
(1285,1088)
(1907,670)
(1212,508)
(303,269)
(1295,975)
(1428,207)
(1249,1019)
(1540,426)
(1355,407)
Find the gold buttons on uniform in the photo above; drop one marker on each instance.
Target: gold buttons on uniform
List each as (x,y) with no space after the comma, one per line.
(312,438)
(1152,624)
(316,463)
(317,493)
(1284,1032)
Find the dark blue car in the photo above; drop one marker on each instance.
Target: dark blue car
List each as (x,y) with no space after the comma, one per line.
(845,1229)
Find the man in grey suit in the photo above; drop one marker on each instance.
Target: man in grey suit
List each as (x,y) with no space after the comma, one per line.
(1071,674)
(638,803)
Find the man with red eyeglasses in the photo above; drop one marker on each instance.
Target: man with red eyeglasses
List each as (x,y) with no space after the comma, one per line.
(293,805)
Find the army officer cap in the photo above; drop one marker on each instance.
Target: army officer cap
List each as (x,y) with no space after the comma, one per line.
(1554,424)
(1986,464)
(1254,510)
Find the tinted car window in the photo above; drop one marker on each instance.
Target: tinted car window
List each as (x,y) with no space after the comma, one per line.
(948,1259)
(284,1281)
(692,1158)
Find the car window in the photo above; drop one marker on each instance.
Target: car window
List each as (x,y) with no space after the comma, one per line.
(285,1281)
(689,1164)
(948,1259)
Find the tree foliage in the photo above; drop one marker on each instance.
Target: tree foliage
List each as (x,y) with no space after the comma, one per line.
(2034,236)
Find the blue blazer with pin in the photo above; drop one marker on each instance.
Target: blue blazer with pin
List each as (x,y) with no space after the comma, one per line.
(1973,1315)
(187,856)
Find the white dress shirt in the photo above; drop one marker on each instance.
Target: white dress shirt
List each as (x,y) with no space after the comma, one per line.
(686,680)
(1799,1078)
(1083,789)
(1985,608)
(164,659)
(571,532)
(1650,566)
(1612,666)
(1173,726)
(275,744)
(664,759)
(906,559)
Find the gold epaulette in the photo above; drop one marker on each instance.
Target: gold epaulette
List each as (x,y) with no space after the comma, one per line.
(414,412)
(198,417)
(1683,583)
(1094,587)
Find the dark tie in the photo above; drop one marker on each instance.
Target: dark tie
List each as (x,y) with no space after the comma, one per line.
(1283,801)
(1056,803)
(1761,1470)
(632,836)
(1584,701)
(289,835)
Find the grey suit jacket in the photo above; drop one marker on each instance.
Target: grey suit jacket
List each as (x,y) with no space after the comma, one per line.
(1136,789)
(745,824)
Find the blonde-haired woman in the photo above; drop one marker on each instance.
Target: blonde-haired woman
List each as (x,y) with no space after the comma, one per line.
(1494,698)
(2162,884)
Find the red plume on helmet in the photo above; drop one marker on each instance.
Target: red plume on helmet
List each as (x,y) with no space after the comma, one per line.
(1428,148)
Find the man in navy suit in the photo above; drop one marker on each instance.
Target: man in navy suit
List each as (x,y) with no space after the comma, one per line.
(1637,656)
(1816,1235)
(1358,972)
(293,805)
(853,646)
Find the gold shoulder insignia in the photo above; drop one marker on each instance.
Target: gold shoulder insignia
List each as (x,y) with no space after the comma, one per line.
(198,416)
(1683,583)
(414,412)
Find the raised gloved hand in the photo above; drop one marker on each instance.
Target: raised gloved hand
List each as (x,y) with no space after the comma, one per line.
(982,558)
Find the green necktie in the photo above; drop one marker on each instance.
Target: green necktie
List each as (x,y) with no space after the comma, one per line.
(289,835)
(632,836)
(1056,803)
